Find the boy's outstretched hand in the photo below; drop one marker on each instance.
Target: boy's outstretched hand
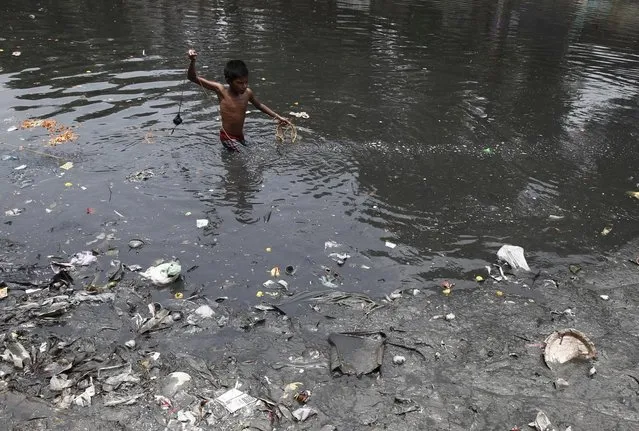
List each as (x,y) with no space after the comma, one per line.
(192,54)
(282,120)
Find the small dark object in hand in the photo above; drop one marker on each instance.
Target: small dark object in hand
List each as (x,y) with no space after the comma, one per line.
(177,120)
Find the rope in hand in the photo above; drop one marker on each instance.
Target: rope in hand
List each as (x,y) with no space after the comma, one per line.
(178,119)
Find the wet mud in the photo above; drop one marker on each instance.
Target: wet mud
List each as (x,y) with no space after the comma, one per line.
(471,359)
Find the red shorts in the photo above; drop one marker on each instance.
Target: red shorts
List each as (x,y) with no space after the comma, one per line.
(231,142)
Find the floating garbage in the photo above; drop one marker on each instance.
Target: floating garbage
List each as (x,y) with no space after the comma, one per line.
(567,345)
(514,255)
(633,194)
(13,212)
(299,114)
(164,273)
(275,271)
(390,244)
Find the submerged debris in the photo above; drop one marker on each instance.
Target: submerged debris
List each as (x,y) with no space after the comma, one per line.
(356,353)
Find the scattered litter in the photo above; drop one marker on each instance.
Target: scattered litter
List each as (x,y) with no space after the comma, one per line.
(6,157)
(12,129)
(606,230)
(111,401)
(16,354)
(567,345)
(299,114)
(574,268)
(13,212)
(449,317)
(4,292)
(275,271)
(16,53)
(136,243)
(268,249)
(234,400)
(479,278)
(302,397)
(178,295)
(164,273)
(542,423)
(289,270)
(303,413)
(139,176)
(339,258)
(331,244)
(268,283)
(175,382)
(200,223)
(67,166)
(356,353)
(84,399)
(390,244)
(283,284)
(633,194)
(83,258)
(19,168)
(329,281)
(514,255)
(399,360)
(204,311)
(130,344)
(160,318)
(68,184)
(604,297)
(592,371)
(59,383)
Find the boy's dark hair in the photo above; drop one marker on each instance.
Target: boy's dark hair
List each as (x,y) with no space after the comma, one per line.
(235,69)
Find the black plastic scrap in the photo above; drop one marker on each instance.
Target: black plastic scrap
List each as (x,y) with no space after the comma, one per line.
(356,353)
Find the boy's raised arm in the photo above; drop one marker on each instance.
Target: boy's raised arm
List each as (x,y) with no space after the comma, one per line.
(192,75)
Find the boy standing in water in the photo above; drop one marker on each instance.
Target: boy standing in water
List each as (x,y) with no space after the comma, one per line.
(234,99)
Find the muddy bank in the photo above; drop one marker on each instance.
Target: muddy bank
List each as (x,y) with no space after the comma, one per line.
(470,360)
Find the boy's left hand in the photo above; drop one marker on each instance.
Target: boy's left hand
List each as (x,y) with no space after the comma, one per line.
(283,120)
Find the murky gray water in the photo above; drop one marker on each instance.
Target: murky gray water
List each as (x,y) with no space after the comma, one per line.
(446,127)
